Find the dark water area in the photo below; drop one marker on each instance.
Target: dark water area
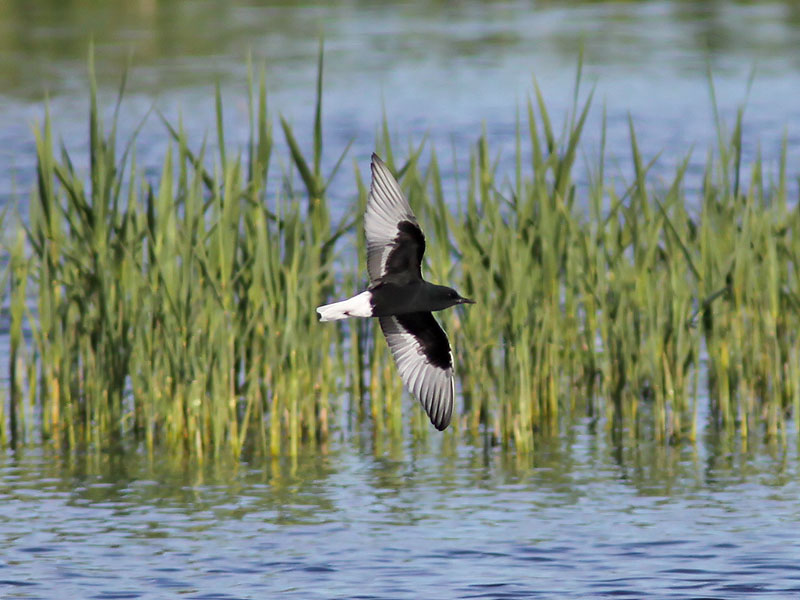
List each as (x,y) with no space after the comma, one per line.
(584,518)
(438,70)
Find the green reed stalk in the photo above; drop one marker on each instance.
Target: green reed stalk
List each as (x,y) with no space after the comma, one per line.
(177,311)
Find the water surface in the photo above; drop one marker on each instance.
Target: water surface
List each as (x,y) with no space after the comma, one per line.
(584,518)
(440,70)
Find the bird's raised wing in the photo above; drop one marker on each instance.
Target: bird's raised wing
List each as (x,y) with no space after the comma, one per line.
(395,242)
(422,353)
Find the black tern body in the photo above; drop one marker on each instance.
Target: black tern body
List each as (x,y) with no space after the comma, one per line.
(403,301)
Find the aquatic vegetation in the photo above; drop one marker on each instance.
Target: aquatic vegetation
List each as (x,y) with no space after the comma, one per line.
(179,312)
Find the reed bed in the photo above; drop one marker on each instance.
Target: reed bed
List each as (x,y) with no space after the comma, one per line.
(178,313)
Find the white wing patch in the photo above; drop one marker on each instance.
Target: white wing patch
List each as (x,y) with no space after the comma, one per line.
(386,207)
(433,386)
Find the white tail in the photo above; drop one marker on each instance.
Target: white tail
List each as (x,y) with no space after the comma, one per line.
(357,306)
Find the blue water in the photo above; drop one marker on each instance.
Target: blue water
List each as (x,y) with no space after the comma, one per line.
(438,72)
(584,519)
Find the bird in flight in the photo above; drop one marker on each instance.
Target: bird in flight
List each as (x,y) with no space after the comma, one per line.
(403,301)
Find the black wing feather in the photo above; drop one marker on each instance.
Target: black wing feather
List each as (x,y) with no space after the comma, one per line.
(395,242)
(422,353)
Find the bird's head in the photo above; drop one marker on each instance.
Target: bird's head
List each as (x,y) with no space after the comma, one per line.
(445,297)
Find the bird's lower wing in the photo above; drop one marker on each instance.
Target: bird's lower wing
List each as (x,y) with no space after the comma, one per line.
(422,353)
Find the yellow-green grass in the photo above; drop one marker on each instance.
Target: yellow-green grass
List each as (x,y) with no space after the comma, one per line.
(179,313)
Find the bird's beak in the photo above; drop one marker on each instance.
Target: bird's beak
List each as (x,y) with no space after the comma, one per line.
(465,301)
